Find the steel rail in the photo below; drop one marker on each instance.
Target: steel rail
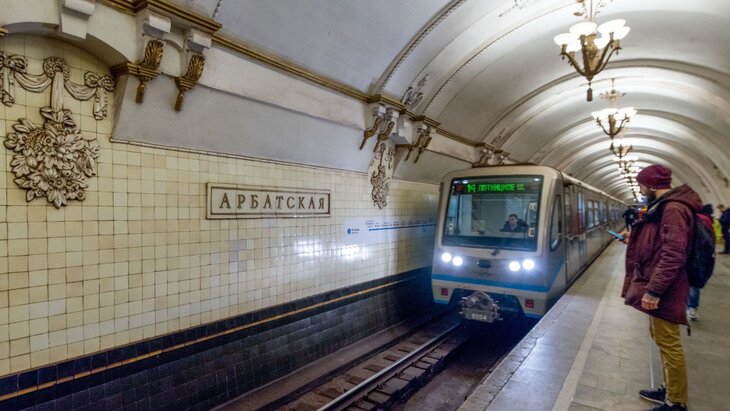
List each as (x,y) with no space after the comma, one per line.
(360,390)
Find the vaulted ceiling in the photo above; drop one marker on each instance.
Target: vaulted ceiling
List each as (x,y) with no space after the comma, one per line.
(495,75)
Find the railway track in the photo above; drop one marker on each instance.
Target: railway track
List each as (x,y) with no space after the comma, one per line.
(389,376)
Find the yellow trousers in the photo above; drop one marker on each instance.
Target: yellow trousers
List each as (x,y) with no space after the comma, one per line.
(667,338)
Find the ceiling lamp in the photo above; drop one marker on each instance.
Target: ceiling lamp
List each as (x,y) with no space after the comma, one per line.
(613,121)
(629,171)
(595,50)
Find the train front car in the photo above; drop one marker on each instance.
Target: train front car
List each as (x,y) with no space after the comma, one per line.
(498,243)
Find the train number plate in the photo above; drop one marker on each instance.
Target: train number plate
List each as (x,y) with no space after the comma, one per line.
(479,316)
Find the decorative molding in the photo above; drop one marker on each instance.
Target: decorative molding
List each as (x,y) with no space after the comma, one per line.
(125,6)
(489,156)
(146,69)
(501,138)
(518,4)
(384,120)
(217,9)
(485,154)
(74,18)
(421,142)
(589,11)
(456,137)
(382,174)
(408,49)
(500,156)
(187,81)
(413,95)
(180,14)
(52,160)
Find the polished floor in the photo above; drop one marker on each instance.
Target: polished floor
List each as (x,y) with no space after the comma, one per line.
(591,352)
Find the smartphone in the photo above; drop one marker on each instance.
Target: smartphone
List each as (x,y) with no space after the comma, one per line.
(615,234)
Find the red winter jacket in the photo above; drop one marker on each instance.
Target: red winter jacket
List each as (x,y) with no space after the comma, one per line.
(657,253)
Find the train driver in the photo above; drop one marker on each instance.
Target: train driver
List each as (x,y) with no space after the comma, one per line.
(514,224)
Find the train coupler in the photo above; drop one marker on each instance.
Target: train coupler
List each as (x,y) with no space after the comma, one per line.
(479,306)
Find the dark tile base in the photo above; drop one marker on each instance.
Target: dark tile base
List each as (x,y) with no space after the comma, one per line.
(208,373)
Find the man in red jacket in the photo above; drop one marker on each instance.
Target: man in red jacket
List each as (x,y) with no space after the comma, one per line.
(656,277)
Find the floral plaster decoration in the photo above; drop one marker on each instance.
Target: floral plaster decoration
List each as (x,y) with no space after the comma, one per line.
(53,159)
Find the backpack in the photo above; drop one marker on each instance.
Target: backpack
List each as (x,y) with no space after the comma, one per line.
(701,258)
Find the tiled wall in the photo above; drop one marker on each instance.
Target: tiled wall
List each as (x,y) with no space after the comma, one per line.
(138,259)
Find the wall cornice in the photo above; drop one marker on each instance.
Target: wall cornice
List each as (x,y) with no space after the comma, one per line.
(177,12)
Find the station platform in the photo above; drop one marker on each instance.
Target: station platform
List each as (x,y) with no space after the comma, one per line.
(592,352)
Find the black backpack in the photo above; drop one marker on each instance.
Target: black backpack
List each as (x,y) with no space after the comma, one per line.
(701,258)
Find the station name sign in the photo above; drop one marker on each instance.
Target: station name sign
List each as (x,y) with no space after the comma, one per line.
(231,201)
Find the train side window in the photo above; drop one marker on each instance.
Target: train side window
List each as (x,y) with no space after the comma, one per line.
(568,213)
(594,213)
(581,213)
(589,213)
(556,225)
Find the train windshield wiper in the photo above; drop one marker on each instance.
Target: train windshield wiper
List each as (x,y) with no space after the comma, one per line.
(503,243)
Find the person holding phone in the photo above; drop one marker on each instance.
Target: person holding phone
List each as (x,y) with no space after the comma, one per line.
(656,278)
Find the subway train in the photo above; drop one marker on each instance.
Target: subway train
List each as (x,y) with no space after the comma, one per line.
(511,239)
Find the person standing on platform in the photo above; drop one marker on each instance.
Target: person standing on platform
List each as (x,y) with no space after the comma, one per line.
(725,225)
(656,278)
(629,217)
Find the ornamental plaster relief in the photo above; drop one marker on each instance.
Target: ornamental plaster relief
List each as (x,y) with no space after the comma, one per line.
(52,160)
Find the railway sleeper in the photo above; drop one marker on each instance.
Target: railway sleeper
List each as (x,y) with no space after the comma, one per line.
(380,399)
(363,405)
(393,386)
(414,374)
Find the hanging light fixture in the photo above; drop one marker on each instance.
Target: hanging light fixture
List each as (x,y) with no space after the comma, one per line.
(629,171)
(596,51)
(613,121)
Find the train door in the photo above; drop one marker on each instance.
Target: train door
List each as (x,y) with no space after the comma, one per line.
(582,237)
(572,239)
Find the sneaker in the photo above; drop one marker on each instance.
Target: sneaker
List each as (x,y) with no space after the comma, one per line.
(667,407)
(692,314)
(656,396)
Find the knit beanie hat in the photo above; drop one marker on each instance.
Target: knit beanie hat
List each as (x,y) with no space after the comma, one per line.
(655,176)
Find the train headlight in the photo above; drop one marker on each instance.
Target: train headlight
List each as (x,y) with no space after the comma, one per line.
(446,257)
(458,261)
(528,264)
(514,266)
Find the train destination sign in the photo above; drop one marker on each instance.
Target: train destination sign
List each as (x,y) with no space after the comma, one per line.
(230,201)
(479,187)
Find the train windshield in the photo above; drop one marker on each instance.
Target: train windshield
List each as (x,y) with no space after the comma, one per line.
(494,212)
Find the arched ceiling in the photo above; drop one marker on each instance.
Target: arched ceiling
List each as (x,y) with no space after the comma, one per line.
(495,75)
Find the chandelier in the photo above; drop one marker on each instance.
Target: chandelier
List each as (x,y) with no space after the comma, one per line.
(595,51)
(629,172)
(613,121)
